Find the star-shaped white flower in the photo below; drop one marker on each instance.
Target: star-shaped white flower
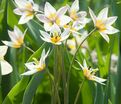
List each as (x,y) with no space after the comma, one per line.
(17,38)
(51,16)
(55,36)
(27,9)
(6,68)
(77,15)
(37,66)
(89,73)
(103,23)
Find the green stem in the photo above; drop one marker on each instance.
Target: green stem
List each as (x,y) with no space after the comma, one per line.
(78,93)
(28,48)
(83,39)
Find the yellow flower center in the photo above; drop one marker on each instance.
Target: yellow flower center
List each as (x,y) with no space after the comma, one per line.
(40,68)
(18,43)
(52,16)
(58,21)
(87,74)
(29,6)
(100,25)
(73,15)
(55,39)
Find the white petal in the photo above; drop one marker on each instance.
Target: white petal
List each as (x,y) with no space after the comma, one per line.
(64,20)
(12,36)
(105,36)
(42,18)
(65,33)
(17,32)
(30,72)
(45,34)
(17,11)
(82,14)
(62,11)
(93,16)
(6,68)
(110,20)
(111,30)
(55,28)
(3,50)
(75,6)
(85,64)
(49,9)
(21,3)
(45,39)
(99,80)
(30,65)
(25,18)
(8,43)
(47,26)
(103,14)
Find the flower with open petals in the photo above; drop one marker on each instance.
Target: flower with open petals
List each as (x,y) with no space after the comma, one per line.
(89,73)
(55,36)
(17,38)
(37,66)
(77,15)
(103,23)
(51,16)
(6,68)
(27,9)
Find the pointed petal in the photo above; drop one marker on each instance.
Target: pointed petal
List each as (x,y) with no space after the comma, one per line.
(111,30)
(3,50)
(62,11)
(55,28)
(93,16)
(21,3)
(105,36)
(12,36)
(42,18)
(45,34)
(85,64)
(6,68)
(30,65)
(25,18)
(8,43)
(75,6)
(64,20)
(99,80)
(49,9)
(17,32)
(47,26)
(103,14)
(65,34)
(110,20)
(30,72)
(17,11)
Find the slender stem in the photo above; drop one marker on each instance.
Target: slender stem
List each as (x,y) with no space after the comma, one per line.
(68,76)
(78,93)
(28,48)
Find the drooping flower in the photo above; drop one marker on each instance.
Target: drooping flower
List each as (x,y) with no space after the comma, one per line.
(89,73)
(55,36)
(51,16)
(27,9)
(77,15)
(17,38)
(103,23)
(6,68)
(37,66)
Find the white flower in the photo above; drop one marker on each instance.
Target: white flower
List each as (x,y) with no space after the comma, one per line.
(103,23)
(89,73)
(71,44)
(6,68)
(51,16)
(17,38)
(27,9)
(55,36)
(77,15)
(36,66)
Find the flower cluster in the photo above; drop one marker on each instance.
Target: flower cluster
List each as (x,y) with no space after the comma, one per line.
(59,25)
